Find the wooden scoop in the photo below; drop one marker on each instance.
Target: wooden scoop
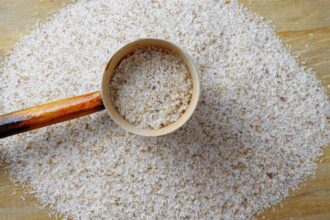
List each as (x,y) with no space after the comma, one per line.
(75,107)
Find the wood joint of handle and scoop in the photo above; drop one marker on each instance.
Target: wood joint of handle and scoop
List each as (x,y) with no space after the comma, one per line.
(50,113)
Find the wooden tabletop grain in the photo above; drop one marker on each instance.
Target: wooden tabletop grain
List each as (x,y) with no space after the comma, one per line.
(303,24)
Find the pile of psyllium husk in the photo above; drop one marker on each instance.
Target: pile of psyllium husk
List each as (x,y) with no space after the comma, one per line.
(260,123)
(151,88)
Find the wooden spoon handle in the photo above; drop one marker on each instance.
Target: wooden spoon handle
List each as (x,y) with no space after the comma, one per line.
(50,113)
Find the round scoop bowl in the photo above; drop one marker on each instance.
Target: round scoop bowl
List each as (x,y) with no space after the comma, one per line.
(78,106)
(126,51)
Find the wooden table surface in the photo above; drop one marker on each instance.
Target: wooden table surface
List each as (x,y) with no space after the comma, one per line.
(298,23)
